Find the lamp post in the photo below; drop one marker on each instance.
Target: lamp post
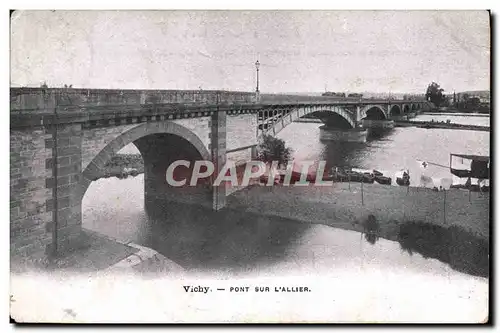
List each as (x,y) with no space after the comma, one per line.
(257,65)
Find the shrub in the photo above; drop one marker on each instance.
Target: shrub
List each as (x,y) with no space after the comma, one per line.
(274,149)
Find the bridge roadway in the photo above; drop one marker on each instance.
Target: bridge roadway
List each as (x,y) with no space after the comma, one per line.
(60,139)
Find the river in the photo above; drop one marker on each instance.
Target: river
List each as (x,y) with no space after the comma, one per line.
(399,149)
(201,241)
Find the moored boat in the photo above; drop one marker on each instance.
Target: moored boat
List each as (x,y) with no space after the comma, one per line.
(368,178)
(383,180)
(402,181)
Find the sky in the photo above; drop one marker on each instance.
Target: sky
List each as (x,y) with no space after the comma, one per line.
(299,51)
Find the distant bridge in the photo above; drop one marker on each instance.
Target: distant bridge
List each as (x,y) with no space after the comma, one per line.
(339,114)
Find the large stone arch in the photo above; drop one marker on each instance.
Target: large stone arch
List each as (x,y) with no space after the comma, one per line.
(373,111)
(290,114)
(130,136)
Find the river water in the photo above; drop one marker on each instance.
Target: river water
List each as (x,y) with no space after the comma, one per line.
(207,242)
(399,149)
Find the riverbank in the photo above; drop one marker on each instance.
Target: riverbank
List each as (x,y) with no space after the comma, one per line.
(308,120)
(457,113)
(443,125)
(122,166)
(486,110)
(101,253)
(451,229)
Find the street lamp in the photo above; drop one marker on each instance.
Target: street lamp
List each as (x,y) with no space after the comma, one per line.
(257,65)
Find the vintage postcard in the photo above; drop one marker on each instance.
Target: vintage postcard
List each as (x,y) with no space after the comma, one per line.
(211,166)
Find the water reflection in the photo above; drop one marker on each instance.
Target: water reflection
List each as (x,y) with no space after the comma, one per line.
(196,237)
(350,154)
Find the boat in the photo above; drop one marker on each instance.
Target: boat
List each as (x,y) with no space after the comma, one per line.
(354,176)
(338,175)
(404,180)
(368,178)
(383,180)
(401,182)
(348,175)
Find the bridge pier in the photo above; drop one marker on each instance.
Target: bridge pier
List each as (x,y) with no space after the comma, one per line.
(219,156)
(343,135)
(377,124)
(46,190)
(66,184)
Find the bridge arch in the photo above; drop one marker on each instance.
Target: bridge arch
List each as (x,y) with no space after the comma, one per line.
(395,110)
(373,112)
(406,108)
(334,116)
(162,130)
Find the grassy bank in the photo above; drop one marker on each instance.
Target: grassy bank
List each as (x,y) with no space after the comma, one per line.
(452,229)
(123,165)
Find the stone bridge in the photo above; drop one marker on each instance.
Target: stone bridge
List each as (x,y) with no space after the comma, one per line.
(61,139)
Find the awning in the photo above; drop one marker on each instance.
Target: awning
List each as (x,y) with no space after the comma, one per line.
(473,166)
(473,157)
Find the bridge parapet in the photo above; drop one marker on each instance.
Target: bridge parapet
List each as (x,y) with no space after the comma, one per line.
(50,98)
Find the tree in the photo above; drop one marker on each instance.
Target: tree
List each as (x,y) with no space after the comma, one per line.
(435,94)
(474,102)
(274,149)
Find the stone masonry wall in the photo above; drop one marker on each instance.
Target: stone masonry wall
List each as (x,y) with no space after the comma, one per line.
(218,142)
(241,130)
(199,126)
(43,99)
(30,199)
(66,186)
(240,157)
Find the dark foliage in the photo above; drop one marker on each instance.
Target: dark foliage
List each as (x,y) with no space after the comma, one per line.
(274,149)
(435,94)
